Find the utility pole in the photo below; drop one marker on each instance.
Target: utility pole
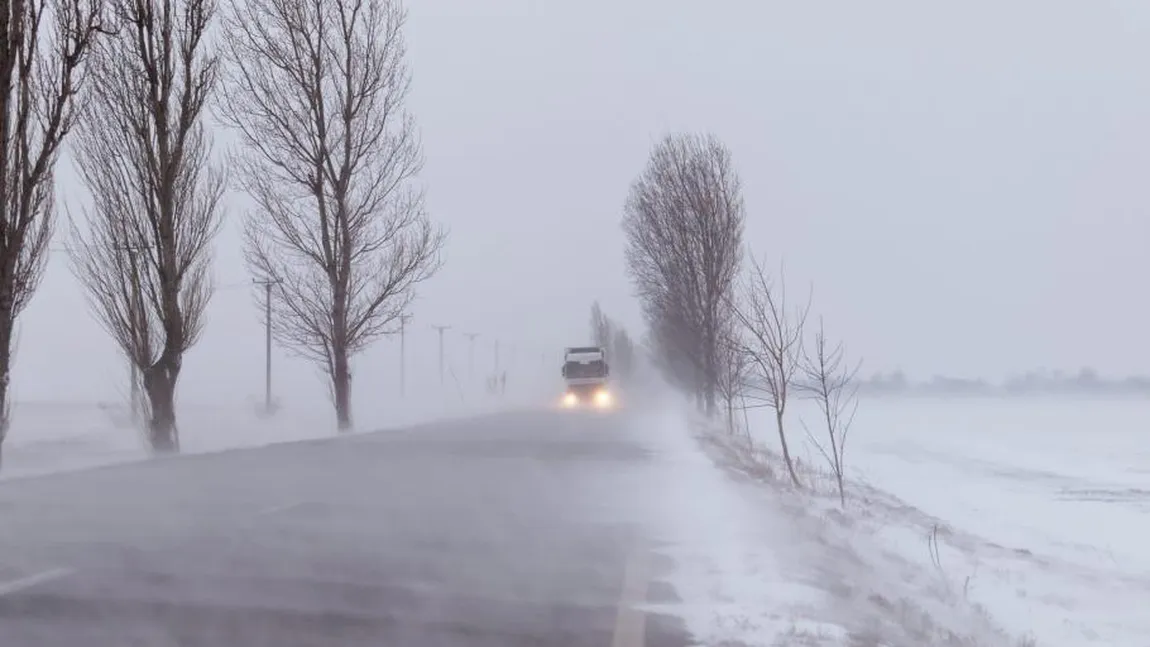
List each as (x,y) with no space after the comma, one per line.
(441,329)
(267,283)
(403,319)
(471,354)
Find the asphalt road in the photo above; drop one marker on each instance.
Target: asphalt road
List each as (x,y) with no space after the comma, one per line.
(508,530)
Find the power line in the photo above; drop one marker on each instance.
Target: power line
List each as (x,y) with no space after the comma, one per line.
(498,346)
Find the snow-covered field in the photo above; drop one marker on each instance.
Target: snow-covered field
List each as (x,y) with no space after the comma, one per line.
(971,522)
(1048,501)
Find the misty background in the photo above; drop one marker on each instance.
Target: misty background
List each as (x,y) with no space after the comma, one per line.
(963,186)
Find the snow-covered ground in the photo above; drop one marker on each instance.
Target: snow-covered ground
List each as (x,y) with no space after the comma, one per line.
(970,522)
(1047,502)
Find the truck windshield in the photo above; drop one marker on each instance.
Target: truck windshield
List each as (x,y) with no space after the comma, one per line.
(594,368)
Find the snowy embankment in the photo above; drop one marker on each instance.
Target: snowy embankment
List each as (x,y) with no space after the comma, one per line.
(969,522)
(759,563)
(48,437)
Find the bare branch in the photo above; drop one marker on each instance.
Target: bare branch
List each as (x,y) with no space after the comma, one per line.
(316,89)
(734,373)
(684,222)
(774,345)
(831,383)
(144,255)
(43,52)
(616,341)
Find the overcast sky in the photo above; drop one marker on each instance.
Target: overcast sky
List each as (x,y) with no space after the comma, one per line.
(964,184)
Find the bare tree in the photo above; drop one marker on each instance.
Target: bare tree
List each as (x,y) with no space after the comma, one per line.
(622,354)
(601,333)
(774,346)
(734,372)
(615,340)
(43,54)
(684,224)
(665,348)
(316,90)
(830,382)
(144,256)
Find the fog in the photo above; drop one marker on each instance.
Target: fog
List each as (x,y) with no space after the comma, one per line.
(962,185)
(963,188)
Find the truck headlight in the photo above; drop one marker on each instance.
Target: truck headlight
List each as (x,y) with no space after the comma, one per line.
(603,398)
(570,400)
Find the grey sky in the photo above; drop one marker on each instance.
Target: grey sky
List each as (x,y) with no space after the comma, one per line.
(963,184)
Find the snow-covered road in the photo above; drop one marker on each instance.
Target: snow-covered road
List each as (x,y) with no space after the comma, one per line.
(510,529)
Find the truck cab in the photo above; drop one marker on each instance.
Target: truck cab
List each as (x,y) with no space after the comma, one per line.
(586,373)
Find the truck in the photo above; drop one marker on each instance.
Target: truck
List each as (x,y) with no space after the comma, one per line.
(586,373)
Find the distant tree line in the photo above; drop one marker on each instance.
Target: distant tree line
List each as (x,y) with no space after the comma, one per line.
(1085,381)
(616,342)
(315,92)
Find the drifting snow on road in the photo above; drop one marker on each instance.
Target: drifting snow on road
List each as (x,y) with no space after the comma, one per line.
(486,531)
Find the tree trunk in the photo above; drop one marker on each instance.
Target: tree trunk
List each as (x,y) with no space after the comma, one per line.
(786,451)
(341,387)
(5,373)
(710,378)
(160,385)
(7,323)
(746,420)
